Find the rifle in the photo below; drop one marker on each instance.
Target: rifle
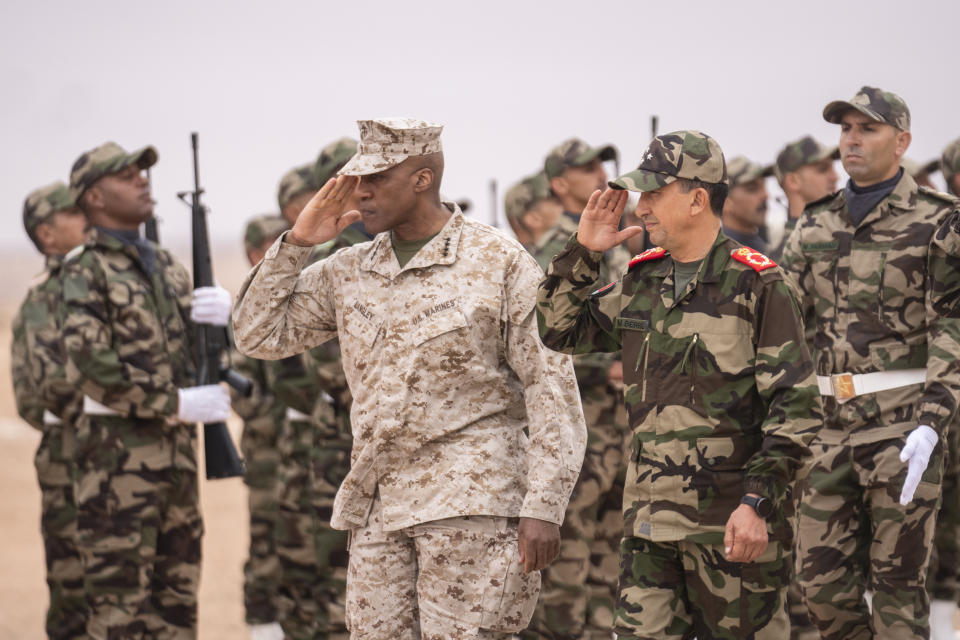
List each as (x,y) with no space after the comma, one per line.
(150,230)
(222,460)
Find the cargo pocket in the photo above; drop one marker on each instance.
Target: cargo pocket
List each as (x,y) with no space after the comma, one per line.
(763,585)
(718,480)
(509,596)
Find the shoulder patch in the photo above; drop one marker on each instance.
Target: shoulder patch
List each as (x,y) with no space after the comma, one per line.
(753,259)
(73,253)
(650,254)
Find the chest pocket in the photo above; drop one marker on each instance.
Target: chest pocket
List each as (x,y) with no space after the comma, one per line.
(360,327)
(438,325)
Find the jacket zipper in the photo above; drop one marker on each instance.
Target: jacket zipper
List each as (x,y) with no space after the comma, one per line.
(686,359)
(642,357)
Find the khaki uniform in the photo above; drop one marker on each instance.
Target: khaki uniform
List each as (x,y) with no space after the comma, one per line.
(445,370)
(870,295)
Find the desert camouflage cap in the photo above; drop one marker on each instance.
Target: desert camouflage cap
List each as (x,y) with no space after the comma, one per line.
(523,195)
(332,158)
(574,153)
(801,153)
(262,228)
(741,170)
(386,142)
(876,104)
(106,159)
(691,155)
(294,182)
(950,163)
(42,203)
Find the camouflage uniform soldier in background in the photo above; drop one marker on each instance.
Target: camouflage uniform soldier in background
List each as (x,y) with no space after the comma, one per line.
(579,589)
(452,507)
(804,170)
(262,419)
(887,365)
(745,209)
(127,321)
(532,210)
(720,394)
(49,403)
(950,166)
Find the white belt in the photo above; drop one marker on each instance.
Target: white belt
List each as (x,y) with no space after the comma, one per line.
(93,408)
(296,416)
(846,386)
(50,419)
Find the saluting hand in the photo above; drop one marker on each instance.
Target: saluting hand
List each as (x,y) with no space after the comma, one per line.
(324,216)
(599,228)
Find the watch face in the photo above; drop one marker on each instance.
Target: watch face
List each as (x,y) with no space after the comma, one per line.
(764,508)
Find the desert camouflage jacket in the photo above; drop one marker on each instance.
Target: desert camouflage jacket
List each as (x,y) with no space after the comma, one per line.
(445,368)
(37,359)
(873,297)
(720,391)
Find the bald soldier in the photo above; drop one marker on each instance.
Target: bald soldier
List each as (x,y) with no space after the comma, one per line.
(47,401)
(720,394)
(745,209)
(467,432)
(866,270)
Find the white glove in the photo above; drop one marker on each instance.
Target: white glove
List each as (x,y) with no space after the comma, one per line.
(206,403)
(920,444)
(210,305)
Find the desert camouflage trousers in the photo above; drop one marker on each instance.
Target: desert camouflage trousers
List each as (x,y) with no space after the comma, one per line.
(67,613)
(312,555)
(139,534)
(686,590)
(451,579)
(943,576)
(261,571)
(579,588)
(855,536)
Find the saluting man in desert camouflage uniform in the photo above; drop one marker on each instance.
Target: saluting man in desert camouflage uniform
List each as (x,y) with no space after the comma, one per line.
(720,394)
(452,507)
(863,261)
(127,318)
(48,402)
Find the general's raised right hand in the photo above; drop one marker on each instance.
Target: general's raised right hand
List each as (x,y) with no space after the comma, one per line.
(599,228)
(324,216)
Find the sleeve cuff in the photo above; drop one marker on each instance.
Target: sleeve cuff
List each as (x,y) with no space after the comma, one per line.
(550,505)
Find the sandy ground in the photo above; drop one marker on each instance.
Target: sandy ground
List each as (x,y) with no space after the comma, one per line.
(23,592)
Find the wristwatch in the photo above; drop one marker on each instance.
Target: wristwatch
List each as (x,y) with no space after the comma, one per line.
(761,505)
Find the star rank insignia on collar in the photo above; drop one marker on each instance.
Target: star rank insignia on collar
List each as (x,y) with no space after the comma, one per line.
(754,259)
(649,254)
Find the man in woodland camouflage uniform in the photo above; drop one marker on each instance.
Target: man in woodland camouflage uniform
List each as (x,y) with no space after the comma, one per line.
(720,394)
(128,319)
(532,210)
(863,261)
(745,209)
(48,402)
(579,589)
(468,434)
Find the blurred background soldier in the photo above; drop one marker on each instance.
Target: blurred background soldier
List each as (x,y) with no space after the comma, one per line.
(128,321)
(745,210)
(950,167)
(579,589)
(532,210)
(921,172)
(805,171)
(862,265)
(48,402)
(262,419)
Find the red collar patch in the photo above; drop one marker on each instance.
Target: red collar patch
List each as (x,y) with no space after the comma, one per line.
(754,259)
(649,254)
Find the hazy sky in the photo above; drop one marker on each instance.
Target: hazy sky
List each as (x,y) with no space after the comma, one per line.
(268,84)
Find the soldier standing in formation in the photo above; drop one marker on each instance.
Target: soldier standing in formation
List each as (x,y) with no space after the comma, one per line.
(745,209)
(452,508)
(863,262)
(720,394)
(48,402)
(532,210)
(127,321)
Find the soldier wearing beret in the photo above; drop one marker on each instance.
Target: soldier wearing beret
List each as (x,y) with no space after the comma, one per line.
(467,433)
(48,402)
(870,279)
(127,318)
(720,395)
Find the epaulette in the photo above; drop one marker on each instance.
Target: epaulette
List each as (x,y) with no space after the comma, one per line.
(74,253)
(650,254)
(939,195)
(752,258)
(603,289)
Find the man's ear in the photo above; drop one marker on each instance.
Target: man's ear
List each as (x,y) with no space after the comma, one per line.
(45,235)
(559,186)
(93,198)
(423,180)
(790,181)
(903,142)
(700,201)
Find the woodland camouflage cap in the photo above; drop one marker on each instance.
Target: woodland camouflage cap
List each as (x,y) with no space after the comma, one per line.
(106,159)
(575,153)
(876,104)
(332,158)
(42,203)
(262,228)
(386,142)
(801,153)
(691,155)
(741,170)
(523,195)
(294,182)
